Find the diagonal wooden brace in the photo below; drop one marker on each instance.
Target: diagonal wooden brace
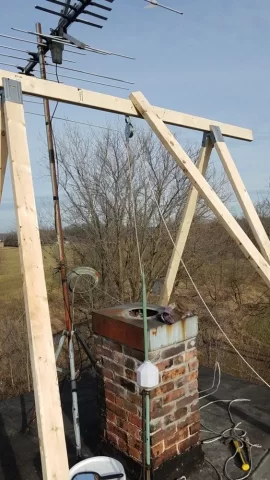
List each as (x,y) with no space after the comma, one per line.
(3,148)
(241,192)
(204,189)
(185,225)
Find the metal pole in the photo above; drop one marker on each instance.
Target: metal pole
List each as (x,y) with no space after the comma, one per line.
(75,407)
(58,222)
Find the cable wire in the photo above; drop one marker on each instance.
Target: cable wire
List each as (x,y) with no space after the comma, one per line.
(201,297)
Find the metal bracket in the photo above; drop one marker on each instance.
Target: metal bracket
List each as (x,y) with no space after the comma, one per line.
(215,134)
(73,40)
(206,136)
(12,91)
(129,130)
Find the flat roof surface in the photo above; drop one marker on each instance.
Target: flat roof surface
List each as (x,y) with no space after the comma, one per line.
(19,448)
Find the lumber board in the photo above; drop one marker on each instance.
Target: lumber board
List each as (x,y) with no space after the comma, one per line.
(204,189)
(99,101)
(3,149)
(183,232)
(241,193)
(47,399)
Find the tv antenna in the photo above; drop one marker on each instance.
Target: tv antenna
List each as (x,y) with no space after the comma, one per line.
(55,43)
(154,3)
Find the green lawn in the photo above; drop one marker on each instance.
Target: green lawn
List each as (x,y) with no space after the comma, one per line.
(11,292)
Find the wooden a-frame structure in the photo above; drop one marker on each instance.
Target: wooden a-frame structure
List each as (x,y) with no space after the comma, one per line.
(13,143)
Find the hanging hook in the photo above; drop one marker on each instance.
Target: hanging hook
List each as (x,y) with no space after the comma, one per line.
(129,130)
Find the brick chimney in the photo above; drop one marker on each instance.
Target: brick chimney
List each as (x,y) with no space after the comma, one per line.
(119,350)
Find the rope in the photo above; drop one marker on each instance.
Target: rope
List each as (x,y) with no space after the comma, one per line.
(201,297)
(128,135)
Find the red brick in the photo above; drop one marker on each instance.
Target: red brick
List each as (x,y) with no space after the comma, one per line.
(195,417)
(129,428)
(158,449)
(156,425)
(189,420)
(155,356)
(135,420)
(122,445)
(193,365)
(165,364)
(111,345)
(126,405)
(117,357)
(194,428)
(193,386)
(131,374)
(191,344)
(111,416)
(108,374)
(126,384)
(116,389)
(114,367)
(161,412)
(171,396)
(130,363)
(175,416)
(115,430)
(173,351)
(192,354)
(160,390)
(120,412)
(162,434)
(192,376)
(173,374)
(112,438)
(187,400)
(181,382)
(105,352)
(167,455)
(187,444)
(179,359)
(194,406)
(110,396)
(134,453)
(131,352)
(134,442)
(134,398)
(179,436)
(156,403)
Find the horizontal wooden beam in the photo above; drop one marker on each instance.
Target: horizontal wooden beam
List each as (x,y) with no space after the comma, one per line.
(100,101)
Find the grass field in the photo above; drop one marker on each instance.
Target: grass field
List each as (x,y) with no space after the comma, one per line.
(11,292)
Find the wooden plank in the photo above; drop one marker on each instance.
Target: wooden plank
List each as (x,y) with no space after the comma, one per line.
(99,101)
(241,193)
(3,149)
(205,190)
(48,408)
(185,225)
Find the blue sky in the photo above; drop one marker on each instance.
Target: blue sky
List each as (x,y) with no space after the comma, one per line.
(213,62)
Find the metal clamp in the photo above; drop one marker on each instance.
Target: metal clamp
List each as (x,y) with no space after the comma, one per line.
(129,130)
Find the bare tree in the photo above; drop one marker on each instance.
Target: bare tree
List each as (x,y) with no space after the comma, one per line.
(109,190)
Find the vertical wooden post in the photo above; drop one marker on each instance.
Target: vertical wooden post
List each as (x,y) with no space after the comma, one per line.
(49,415)
(199,182)
(3,148)
(241,192)
(185,225)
